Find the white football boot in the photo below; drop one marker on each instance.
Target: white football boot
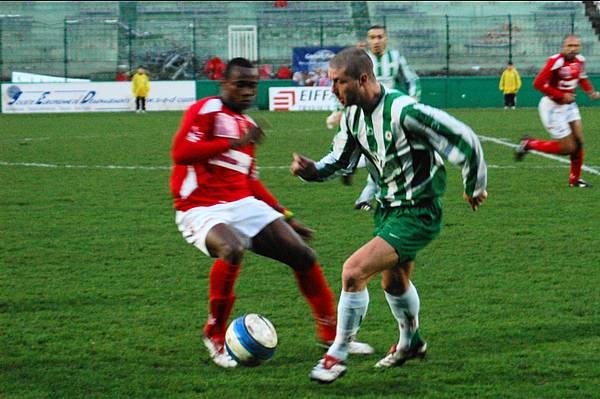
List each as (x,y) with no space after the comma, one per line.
(218,354)
(328,370)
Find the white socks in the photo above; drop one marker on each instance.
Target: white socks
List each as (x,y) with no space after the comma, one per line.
(352,309)
(405,309)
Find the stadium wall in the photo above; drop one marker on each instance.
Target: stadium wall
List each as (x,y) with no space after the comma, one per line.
(440,92)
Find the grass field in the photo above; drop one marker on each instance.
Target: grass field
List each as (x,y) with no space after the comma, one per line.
(100,296)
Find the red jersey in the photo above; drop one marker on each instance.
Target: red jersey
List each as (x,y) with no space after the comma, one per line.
(560,76)
(207,170)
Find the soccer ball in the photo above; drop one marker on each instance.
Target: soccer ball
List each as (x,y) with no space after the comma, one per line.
(251,339)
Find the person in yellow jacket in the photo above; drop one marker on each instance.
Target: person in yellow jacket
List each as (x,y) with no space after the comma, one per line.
(141,88)
(510,83)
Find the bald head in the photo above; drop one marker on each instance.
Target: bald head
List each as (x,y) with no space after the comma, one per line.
(571,46)
(354,62)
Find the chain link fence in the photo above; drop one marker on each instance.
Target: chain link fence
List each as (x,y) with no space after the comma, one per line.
(95,46)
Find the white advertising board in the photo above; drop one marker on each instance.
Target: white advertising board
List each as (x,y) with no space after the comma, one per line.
(94,97)
(312,98)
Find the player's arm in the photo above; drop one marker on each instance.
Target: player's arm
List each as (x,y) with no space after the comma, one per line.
(260,192)
(454,141)
(413,82)
(586,85)
(342,158)
(542,81)
(190,144)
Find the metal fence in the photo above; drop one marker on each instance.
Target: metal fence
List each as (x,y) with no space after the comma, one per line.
(178,47)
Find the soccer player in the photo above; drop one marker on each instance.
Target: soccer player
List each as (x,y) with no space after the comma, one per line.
(223,209)
(392,70)
(558,111)
(404,143)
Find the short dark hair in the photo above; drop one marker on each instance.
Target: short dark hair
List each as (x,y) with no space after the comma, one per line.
(354,62)
(376,27)
(238,62)
(509,63)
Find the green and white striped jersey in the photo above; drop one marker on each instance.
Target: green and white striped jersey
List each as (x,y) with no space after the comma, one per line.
(392,70)
(405,144)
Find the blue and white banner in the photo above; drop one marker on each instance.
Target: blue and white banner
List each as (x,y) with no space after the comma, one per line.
(93,97)
(310,65)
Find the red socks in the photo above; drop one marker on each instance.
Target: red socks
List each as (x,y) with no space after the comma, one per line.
(314,287)
(553,147)
(549,147)
(221,298)
(312,284)
(576,162)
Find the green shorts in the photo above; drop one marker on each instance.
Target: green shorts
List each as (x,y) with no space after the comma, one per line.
(409,229)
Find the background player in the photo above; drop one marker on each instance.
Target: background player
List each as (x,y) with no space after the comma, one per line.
(223,209)
(403,146)
(558,110)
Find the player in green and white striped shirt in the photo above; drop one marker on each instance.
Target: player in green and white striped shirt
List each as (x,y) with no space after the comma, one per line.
(404,143)
(391,69)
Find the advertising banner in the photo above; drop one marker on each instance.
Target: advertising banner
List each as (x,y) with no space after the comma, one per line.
(301,99)
(93,97)
(310,65)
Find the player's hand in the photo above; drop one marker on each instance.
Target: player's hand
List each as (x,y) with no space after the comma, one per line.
(303,167)
(475,201)
(594,95)
(254,135)
(568,98)
(303,231)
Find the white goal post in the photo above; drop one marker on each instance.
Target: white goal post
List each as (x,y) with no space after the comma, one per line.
(243,42)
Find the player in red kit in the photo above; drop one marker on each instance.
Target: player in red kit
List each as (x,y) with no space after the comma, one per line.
(223,209)
(558,110)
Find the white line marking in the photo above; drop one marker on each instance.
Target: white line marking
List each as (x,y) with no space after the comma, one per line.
(586,168)
(590,169)
(139,167)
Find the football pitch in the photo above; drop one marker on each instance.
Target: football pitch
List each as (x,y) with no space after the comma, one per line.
(101,297)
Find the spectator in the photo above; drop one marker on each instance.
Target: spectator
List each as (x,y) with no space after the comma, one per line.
(265,71)
(214,68)
(280,4)
(284,72)
(121,76)
(141,88)
(510,83)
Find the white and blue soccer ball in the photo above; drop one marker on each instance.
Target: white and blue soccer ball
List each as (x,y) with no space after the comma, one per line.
(251,339)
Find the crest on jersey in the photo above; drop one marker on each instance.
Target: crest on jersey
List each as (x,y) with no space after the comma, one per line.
(226,126)
(388,135)
(566,72)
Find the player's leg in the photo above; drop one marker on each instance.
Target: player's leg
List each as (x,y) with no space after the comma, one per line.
(506,101)
(369,260)
(554,118)
(577,155)
(224,244)
(408,230)
(137,104)
(143,104)
(207,229)
(280,242)
(404,302)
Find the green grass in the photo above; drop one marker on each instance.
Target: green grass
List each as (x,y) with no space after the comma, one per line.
(100,296)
